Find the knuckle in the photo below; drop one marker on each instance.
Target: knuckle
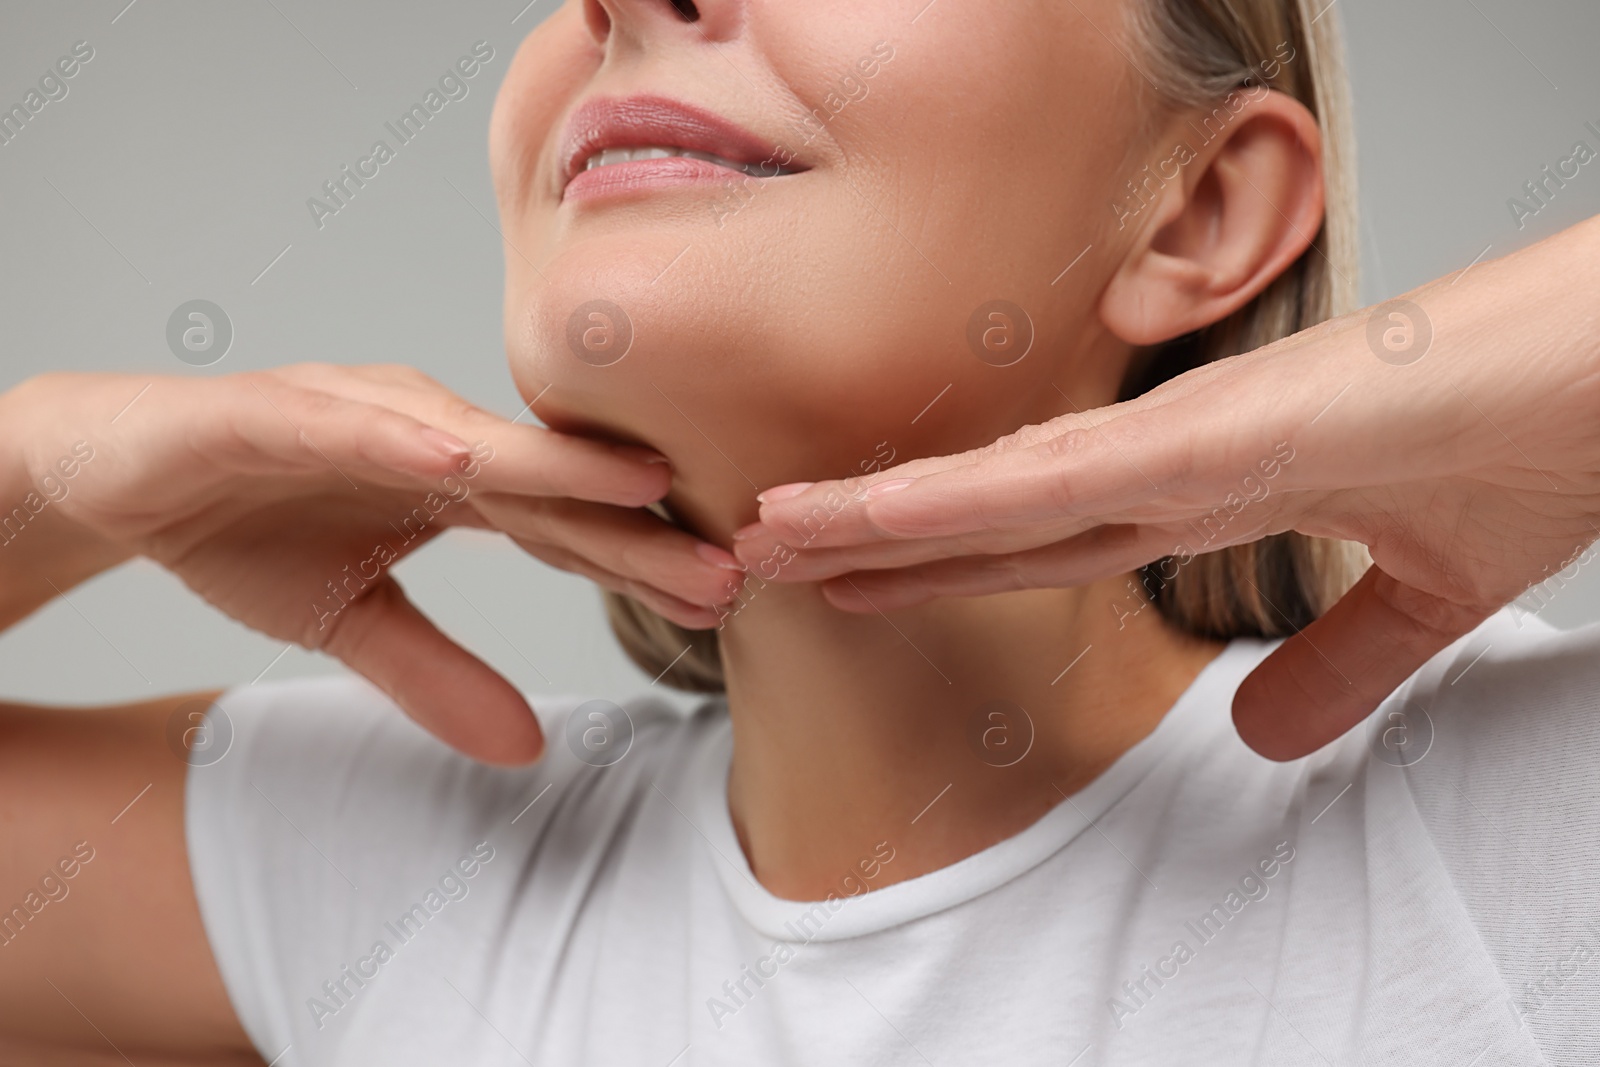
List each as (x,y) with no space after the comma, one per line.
(1439,617)
(400,372)
(248,382)
(634,560)
(1008,573)
(397,375)
(307,373)
(1059,487)
(538,521)
(1067,443)
(313,402)
(348,632)
(467,413)
(1032,436)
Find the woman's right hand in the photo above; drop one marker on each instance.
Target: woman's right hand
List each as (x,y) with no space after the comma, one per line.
(283,497)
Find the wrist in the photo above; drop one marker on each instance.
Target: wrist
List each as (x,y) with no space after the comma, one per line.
(42,550)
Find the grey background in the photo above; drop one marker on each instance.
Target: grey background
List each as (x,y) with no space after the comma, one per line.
(179,164)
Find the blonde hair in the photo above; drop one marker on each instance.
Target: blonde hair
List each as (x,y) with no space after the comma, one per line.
(1191,53)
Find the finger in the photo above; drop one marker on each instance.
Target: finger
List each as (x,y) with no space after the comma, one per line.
(1100,553)
(796,561)
(1191,441)
(534,461)
(260,426)
(689,616)
(802,510)
(799,508)
(1328,677)
(1023,438)
(632,544)
(266,427)
(512,456)
(448,691)
(1084,471)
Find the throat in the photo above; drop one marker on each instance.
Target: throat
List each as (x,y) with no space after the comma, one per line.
(932,733)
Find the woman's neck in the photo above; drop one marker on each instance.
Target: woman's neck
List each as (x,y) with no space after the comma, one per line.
(912,731)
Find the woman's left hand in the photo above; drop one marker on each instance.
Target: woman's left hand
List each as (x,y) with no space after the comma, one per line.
(1453,433)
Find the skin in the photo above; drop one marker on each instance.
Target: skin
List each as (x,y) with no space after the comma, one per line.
(816,321)
(846,727)
(1484,481)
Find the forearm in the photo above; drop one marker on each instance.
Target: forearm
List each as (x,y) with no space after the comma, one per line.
(42,552)
(1540,303)
(1517,359)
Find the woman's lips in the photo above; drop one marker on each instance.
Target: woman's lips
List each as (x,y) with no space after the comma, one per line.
(644,122)
(643,175)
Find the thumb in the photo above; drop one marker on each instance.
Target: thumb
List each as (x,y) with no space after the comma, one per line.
(448,691)
(1328,677)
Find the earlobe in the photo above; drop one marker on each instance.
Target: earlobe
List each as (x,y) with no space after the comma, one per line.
(1241,212)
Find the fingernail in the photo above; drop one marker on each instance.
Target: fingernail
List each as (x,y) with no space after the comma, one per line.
(644,455)
(447,445)
(717,557)
(888,487)
(744,533)
(783,492)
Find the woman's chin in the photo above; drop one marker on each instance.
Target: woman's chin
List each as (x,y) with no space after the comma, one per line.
(745,377)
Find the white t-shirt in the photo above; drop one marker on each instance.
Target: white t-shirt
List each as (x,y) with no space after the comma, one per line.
(1423,891)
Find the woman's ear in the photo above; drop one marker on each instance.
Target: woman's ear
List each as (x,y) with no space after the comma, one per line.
(1233,201)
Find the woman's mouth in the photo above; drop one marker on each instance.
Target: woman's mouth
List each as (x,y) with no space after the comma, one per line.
(640,143)
(611,157)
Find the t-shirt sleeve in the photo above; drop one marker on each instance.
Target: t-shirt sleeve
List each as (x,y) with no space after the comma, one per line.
(1510,793)
(330,817)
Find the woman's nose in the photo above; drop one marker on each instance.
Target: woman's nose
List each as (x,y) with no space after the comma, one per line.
(653,21)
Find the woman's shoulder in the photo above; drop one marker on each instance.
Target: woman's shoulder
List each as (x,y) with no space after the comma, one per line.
(333,760)
(321,812)
(1507,719)
(1515,686)
(1504,771)
(343,702)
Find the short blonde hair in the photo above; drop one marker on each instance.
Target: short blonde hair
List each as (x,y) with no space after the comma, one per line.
(1192,53)
(1198,52)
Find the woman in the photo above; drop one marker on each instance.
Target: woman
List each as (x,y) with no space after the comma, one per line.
(763,244)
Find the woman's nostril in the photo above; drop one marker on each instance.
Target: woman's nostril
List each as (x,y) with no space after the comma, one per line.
(687,9)
(598,20)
